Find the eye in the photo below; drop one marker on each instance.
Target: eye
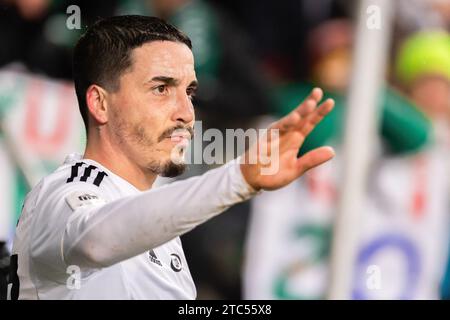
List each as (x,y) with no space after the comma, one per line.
(191,92)
(160,90)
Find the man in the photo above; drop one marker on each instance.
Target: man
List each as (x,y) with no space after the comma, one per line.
(93,229)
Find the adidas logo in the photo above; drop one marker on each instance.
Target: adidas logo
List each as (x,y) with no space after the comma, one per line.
(153,258)
(86,197)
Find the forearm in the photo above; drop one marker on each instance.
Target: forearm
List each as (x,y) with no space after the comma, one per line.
(130,226)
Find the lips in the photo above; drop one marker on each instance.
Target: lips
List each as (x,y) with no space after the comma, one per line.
(180,137)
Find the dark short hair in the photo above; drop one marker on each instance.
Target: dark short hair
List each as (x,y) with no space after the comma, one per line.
(102,54)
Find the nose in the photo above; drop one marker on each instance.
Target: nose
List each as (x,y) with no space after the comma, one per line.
(184,109)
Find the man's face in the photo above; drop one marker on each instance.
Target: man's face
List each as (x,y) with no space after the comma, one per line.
(151,115)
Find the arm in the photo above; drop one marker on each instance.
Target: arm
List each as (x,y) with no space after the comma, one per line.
(103,235)
(403,126)
(99,236)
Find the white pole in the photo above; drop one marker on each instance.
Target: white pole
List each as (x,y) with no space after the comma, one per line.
(370,57)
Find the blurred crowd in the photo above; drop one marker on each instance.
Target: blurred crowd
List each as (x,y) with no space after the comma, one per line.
(255,61)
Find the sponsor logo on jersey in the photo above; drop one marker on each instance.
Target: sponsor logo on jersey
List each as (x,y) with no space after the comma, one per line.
(80,198)
(87,197)
(153,258)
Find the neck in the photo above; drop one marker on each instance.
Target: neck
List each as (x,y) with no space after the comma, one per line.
(101,150)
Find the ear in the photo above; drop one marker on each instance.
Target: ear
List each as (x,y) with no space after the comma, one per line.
(97,104)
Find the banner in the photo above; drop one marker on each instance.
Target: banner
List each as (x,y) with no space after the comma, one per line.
(40,125)
(404,233)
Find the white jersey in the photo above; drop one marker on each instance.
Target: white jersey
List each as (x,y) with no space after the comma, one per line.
(86,233)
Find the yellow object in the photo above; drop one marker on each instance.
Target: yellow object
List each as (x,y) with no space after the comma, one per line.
(424,53)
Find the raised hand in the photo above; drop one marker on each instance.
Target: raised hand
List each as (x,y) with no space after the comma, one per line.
(275,163)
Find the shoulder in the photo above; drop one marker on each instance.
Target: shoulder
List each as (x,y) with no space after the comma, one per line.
(70,186)
(57,198)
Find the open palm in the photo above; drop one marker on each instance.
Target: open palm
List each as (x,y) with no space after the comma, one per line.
(276,163)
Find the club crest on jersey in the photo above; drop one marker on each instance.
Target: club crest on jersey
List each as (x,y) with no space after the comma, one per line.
(175,262)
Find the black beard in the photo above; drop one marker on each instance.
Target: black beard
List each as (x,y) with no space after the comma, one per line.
(168,170)
(172,170)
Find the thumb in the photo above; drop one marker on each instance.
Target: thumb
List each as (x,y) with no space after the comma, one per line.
(314,158)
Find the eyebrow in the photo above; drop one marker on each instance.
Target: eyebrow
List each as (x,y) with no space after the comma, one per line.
(172,81)
(193,84)
(166,80)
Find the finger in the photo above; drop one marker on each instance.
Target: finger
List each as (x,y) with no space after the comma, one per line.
(295,118)
(314,158)
(308,105)
(308,124)
(321,111)
(306,108)
(316,95)
(287,122)
(301,112)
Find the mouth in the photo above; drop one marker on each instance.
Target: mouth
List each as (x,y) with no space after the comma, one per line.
(180,137)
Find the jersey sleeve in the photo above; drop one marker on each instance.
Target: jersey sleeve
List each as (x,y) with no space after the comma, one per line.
(102,233)
(54,208)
